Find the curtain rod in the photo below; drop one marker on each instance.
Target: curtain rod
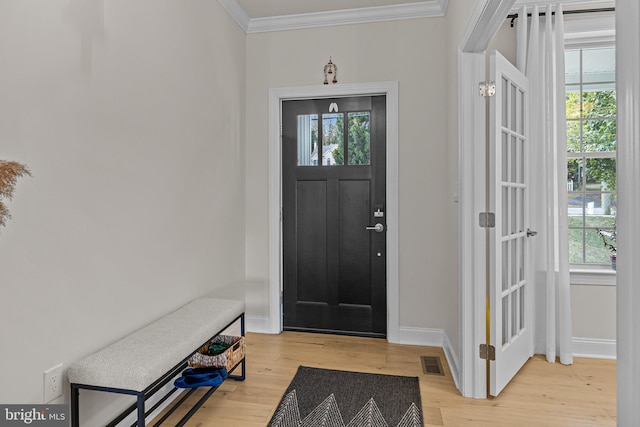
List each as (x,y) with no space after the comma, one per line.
(514,16)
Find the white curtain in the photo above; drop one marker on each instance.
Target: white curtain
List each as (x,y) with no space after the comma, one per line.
(541,57)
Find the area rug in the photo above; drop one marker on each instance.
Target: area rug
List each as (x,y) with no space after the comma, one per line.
(330,398)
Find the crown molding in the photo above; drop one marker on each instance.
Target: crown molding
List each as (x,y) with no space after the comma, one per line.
(237,13)
(424,9)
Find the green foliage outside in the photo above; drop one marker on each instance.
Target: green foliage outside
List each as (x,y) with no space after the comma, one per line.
(598,135)
(591,176)
(595,251)
(359,140)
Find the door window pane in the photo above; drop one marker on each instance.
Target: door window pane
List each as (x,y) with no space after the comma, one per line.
(307,140)
(359,138)
(332,139)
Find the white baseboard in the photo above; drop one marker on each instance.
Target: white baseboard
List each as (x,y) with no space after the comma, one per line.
(594,348)
(258,324)
(432,338)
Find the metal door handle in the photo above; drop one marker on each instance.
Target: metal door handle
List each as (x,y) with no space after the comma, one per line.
(378,228)
(531,233)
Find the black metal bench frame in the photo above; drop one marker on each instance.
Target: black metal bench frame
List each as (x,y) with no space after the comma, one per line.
(156,386)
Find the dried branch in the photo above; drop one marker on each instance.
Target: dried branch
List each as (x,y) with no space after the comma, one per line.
(9,174)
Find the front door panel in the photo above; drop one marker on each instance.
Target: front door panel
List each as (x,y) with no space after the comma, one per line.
(333,191)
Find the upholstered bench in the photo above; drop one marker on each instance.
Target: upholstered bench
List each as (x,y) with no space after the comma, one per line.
(143,362)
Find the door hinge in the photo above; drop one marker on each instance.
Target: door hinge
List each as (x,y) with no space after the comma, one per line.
(487,88)
(487,219)
(487,352)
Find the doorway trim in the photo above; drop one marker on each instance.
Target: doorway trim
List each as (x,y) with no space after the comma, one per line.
(276,96)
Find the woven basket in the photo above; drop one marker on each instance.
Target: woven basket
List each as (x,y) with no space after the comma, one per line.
(228,360)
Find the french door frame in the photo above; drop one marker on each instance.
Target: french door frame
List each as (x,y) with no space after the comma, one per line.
(276,97)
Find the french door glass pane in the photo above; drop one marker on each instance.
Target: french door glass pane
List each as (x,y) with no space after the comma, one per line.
(514,162)
(522,294)
(505,157)
(505,320)
(505,266)
(514,314)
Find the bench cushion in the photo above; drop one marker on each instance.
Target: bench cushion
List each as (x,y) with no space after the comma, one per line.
(139,359)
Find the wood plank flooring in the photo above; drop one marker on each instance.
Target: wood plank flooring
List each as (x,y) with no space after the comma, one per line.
(542,394)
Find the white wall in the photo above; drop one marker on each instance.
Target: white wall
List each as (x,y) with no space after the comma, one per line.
(130,116)
(412,53)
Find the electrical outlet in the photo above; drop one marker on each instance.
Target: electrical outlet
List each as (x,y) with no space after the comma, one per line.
(52,383)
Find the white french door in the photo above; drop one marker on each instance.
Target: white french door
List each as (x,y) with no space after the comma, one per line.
(510,292)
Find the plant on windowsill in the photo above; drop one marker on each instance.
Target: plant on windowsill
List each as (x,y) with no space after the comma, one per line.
(9,174)
(609,241)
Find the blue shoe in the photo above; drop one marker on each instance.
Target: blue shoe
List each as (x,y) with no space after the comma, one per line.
(192,378)
(203,372)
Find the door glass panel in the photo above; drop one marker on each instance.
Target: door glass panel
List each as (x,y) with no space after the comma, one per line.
(514,263)
(505,103)
(307,140)
(514,106)
(513,207)
(359,138)
(332,139)
(521,161)
(522,294)
(520,210)
(505,266)
(505,320)
(505,157)
(522,112)
(514,163)
(505,211)
(521,262)
(514,314)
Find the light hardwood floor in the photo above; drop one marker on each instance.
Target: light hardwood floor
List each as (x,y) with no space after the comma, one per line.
(542,394)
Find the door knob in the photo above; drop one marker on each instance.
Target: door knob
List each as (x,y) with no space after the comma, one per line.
(531,233)
(378,228)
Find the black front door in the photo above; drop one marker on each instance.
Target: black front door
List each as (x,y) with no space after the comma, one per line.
(334,220)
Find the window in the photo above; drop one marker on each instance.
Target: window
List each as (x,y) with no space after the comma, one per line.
(591,153)
(344,137)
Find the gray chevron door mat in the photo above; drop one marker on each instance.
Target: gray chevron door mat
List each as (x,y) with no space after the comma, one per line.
(330,398)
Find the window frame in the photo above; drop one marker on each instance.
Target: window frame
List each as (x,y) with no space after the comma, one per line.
(587,32)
